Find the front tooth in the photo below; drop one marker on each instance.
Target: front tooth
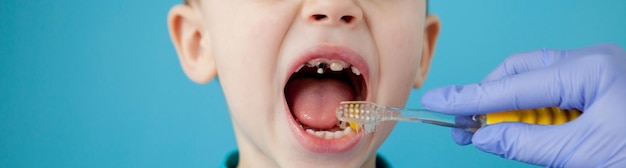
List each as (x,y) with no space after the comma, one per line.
(310,65)
(329,135)
(338,134)
(313,63)
(336,66)
(319,134)
(310,131)
(320,70)
(355,71)
(347,130)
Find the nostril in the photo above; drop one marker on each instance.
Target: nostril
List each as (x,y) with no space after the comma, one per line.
(347,18)
(318,17)
(321,17)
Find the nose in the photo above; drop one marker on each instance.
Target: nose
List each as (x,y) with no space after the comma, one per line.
(332,12)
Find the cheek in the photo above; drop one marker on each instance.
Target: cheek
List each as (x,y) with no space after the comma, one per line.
(399,55)
(245,40)
(248,36)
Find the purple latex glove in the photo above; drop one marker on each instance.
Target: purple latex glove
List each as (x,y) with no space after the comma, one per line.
(591,79)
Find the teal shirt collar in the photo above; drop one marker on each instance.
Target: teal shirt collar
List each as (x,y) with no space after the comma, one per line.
(232,160)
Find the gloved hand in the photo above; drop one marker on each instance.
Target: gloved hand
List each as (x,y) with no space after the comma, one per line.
(591,79)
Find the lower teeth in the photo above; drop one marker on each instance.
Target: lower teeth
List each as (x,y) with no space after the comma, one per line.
(330,134)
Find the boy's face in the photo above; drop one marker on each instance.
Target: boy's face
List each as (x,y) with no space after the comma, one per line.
(284,65)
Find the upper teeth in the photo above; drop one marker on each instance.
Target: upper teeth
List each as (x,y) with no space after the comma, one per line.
(335,65)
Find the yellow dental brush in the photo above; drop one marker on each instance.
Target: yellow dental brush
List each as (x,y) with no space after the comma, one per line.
(367,115)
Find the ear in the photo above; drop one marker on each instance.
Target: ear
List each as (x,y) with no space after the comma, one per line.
(432,26)
(192,46)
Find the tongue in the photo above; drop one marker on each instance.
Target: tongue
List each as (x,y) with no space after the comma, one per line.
(313,101)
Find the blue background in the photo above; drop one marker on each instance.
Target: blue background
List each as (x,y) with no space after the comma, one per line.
(98,84)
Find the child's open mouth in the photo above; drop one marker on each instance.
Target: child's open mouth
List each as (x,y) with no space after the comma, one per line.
(314,90)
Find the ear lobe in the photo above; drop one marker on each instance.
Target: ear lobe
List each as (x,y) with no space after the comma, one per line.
(432,26)
(192,46)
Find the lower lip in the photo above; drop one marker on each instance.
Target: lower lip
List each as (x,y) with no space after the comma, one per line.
(321,145)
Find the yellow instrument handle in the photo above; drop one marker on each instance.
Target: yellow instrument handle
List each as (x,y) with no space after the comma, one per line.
(541,116)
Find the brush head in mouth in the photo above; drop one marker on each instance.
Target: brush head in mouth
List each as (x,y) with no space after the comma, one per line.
(316,88)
